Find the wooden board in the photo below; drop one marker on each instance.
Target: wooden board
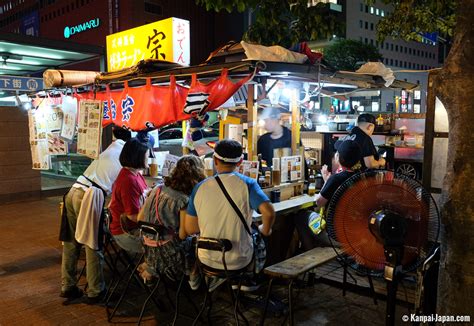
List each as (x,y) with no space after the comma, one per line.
(333,271)
(290,205)
(297,265)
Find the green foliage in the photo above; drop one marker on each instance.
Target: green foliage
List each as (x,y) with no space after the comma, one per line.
(282,22)
(409,18)
(350,54)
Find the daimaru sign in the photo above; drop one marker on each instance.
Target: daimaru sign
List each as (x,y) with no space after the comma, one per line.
(71,30)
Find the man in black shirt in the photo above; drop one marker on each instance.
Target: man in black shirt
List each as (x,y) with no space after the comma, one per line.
(369,158)
(347,155)
(276,137)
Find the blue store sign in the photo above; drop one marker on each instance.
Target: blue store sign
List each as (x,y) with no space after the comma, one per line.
(71,30)
(16,83)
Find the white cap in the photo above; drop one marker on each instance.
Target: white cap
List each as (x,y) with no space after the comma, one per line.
(270,113)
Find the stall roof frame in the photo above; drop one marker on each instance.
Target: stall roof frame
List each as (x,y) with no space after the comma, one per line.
(294,72)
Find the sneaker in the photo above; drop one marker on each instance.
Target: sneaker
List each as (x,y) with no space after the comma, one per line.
(72,293)
(194,281)
(247,286)
(214,282)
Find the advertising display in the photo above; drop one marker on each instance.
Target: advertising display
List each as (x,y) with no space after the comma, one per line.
(90,128)
(68,128)
(166,40)
(249,169)
(44,123)
(291,168)
(169,164)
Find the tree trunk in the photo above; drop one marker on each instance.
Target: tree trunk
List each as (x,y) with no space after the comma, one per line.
(455,88)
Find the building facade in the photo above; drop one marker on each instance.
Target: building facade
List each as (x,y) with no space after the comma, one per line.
(90,21)
(361,22)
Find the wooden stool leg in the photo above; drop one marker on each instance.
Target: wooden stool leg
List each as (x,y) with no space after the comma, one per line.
(290,301)
(267,297)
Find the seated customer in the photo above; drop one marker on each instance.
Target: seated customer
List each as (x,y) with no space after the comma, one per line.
(128,195)
(347,155)
(166,205)
(211,214)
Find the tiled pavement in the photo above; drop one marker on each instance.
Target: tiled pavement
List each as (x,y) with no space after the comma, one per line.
(30,258)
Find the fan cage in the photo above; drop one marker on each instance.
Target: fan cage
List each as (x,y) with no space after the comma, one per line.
(364,193)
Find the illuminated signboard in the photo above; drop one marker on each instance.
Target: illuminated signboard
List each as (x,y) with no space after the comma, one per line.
(166,40)
(71,30)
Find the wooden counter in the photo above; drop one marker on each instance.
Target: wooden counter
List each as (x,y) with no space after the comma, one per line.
(152,181)
(289,206)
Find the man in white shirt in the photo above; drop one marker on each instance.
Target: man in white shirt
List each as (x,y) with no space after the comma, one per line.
(101,174)
(211,214)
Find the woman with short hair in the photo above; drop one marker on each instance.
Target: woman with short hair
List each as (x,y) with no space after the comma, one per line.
(128,195)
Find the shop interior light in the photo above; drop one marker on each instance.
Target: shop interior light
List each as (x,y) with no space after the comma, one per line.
(286,92)
(9,67)
(323,118)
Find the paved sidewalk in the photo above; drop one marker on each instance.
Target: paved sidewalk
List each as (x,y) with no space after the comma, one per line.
(30,262)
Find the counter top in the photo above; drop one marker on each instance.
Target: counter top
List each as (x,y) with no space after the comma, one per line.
(346,132)
(393,146)
(151,181)
(291,205)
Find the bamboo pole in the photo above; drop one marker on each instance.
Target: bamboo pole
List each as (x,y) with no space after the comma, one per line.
(58,78)
(252,122)
(295,125)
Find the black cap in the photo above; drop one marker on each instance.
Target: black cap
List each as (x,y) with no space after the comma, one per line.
(349,152)
(366,117)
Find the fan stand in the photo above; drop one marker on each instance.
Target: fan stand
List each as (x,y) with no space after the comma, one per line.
(392,276)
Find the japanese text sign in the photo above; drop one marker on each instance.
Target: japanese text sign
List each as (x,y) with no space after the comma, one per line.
(16,83)
(166,40)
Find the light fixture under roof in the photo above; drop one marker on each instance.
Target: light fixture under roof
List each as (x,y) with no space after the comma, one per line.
(7,56)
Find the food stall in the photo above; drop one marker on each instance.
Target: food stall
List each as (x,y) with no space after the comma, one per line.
(153,94)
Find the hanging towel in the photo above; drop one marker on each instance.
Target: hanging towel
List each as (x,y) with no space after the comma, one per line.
(88,220)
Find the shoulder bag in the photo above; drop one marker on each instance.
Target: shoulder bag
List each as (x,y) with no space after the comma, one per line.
(259,248)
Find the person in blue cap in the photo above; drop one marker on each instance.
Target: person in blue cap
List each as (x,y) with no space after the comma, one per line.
(145,138)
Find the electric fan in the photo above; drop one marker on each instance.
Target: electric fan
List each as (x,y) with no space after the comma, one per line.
(387,223)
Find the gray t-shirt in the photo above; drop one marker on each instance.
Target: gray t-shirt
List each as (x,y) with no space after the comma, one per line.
(170,202)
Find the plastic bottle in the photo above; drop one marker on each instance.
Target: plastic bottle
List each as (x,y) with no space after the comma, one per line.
(379,120)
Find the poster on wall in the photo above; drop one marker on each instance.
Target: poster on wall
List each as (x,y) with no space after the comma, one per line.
(249,169)
(68,127)
(291,168)
(89,134)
